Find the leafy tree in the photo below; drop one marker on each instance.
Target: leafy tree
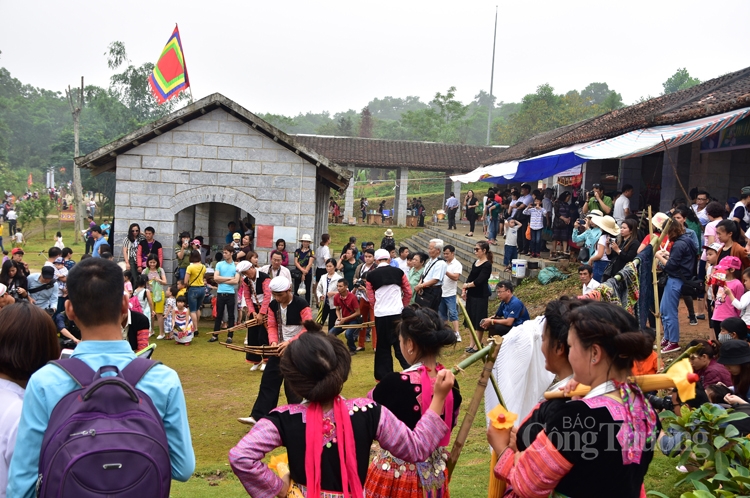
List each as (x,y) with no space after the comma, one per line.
(45,207)
(612,102)
(27,212)
(595,93)
(392,108)
(680,80)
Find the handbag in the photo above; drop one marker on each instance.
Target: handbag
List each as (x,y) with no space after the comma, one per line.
(528,232)
(609,270)
(547,234)
(584,254)
(296,274)
(693,286)
(430,297)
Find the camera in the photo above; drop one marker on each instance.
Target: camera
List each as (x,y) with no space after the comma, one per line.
(660,403)
(361,282)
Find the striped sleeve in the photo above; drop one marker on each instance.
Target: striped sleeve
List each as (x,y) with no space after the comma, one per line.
(245,459)
(537,471)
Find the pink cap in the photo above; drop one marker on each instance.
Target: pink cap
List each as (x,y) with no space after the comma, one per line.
(732,262)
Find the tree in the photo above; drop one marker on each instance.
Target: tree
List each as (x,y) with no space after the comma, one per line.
(595,93)
(27,212)
(612,102)
(365,123)
(680,80)
(44,208)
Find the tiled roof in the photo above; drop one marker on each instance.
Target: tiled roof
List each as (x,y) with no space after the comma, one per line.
(376,153)
(722,94)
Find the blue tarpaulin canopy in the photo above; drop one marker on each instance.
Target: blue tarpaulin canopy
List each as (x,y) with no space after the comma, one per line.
(536,168)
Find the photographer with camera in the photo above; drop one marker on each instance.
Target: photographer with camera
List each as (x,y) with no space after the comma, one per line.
(43,289)
(14,280)
(597,200)
(360,288)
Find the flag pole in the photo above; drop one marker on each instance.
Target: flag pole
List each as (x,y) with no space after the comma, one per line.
(492,80)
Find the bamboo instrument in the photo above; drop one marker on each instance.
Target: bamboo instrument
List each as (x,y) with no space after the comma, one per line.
(680,376)
(240,326)
(497,487)
(259,350)
(357,325)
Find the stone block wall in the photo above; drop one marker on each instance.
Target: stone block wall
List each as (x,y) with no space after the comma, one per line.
(214,158)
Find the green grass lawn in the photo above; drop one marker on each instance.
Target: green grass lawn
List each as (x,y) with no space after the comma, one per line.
(219,386)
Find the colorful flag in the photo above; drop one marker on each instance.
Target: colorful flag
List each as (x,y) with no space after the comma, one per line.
(170,76)
(29,181)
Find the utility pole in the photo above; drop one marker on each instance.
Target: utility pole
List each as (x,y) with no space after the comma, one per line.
(75,110)
(492,80)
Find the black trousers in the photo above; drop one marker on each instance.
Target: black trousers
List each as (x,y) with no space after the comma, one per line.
(89,245)
(308,286)
(270,388)
(387,338)
(524,244)
(471,215)
(498,329)
(421,220)
(452,218)
(225,299)
(256,336)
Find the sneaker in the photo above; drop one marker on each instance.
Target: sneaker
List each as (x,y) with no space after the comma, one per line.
(360,349)
(229,340)
(458,337)
(255,367)
(671,348)
(160,337)
(213,339)
(694,321)
(247,420)
(262,367)
(702,316)
(664,342)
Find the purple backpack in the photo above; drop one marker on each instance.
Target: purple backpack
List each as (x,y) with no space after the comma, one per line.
(105,438)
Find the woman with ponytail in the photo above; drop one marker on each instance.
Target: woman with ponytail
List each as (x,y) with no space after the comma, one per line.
(602,444)
(327,437)
(408,395)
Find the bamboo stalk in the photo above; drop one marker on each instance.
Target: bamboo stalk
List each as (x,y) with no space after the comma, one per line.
(239,326)
(476,400)
(657,314)
(469,325)
(497,487)
(357,325)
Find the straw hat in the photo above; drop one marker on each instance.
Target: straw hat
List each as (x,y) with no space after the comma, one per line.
(594,213)
(607,224)
(306,237)
(658,220)
(388,233)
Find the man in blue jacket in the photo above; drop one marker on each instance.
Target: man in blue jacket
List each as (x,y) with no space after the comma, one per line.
(96,304)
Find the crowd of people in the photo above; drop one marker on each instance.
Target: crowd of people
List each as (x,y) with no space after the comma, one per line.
(405,304)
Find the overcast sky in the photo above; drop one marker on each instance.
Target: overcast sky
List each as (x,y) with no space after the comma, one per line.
(297,56)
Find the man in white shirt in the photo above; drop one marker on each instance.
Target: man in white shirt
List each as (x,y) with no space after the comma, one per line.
(388,292)
(585,273)
(275,269)
(434,273)
(741,210)
(403,259)
(622,204)
(12,218)
(453,269)
(701,201)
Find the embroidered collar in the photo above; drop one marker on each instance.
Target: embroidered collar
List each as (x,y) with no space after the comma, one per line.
(601,389)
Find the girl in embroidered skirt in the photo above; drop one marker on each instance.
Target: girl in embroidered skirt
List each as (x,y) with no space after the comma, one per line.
(407,394)
(182,322)
(169,306)
(600,445)
(328,437)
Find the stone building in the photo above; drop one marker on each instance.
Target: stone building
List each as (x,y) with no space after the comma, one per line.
(213,162)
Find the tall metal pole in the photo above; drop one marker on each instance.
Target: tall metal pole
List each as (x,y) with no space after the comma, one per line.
(75,109)
(492,80)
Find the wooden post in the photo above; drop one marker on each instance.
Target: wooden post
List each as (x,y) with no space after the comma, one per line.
(471,413)
(75,110)
(655,244)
